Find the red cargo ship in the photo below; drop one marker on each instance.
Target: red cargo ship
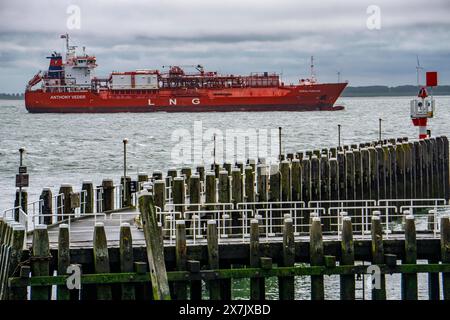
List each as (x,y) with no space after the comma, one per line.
(70,87)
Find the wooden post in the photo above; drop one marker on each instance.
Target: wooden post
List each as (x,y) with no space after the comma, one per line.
(296,180)
(347,259)
(446,171)
(358,174)
(409,170)
(400,171)
(286,284)
(445,254)
(306,182)
(342,176)
(213,258)
(40,265)
(316,258)
(157,175)
(194,197)
(210,189)
(374,178)
(378,256)
(172,173)
(261,182)
(16,250)
(387,171)
(108,194)
(286,180)
(66,190)
(181,259)
(159,192)
(47,206)
(418,170)
(24,202)
(393,170)
(334,188)
(179,195)
(101,260)
(224,188)
(187,172)
(426,165)
(201,172)
(440,166)
(155,251)
(237,196)
(249,184)
(126,192)
(257,285)
(365,178)
(435,174)
(88,188)
(381,172)
(227,167)
(315,178)
(409,281)
(325,187)
(126,259)
(63,259)
(142,177)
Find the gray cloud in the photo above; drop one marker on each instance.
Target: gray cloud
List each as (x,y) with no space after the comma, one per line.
(233,37)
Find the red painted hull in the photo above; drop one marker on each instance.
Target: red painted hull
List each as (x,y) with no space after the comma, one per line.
(316,97)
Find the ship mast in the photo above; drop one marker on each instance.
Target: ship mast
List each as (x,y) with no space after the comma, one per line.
(313,76)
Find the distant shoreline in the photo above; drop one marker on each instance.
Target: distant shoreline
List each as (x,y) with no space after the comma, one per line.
(361,91)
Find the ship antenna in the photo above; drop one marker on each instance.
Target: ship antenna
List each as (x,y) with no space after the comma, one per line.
(418,68)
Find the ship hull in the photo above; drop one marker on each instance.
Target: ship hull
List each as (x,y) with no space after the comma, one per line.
(317,97)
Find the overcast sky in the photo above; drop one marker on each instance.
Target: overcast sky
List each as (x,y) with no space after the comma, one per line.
(233,36)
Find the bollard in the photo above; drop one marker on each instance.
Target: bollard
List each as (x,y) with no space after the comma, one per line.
(227,166)
(23,205)
(101,260)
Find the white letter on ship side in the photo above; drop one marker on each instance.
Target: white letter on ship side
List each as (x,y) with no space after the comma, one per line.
(150,103)
(173,101)
(196,101)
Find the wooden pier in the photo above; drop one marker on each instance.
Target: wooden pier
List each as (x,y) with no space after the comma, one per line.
(315,213)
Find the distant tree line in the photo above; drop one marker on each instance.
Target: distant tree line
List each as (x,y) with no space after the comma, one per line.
(374,91)
(11,96)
